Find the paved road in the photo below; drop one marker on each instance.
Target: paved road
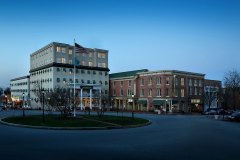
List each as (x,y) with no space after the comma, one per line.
(169,137)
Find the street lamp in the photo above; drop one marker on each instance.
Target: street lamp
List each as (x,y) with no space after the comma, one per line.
(23,104)
(43,118)
(166,106)
(132,106)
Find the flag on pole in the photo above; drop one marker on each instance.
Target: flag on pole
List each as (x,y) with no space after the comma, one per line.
(80,49)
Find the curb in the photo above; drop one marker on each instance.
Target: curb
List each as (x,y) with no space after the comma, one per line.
(73,128)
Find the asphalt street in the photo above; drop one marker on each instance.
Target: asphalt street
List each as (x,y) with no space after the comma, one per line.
(187,137)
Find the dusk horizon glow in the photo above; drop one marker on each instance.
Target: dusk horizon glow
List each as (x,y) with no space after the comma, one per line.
(199,36)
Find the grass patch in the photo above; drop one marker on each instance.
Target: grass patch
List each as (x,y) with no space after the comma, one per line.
(123,121)
(54,121)
(83,121)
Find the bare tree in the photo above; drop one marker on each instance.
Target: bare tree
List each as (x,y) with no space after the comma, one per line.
(232,84)
(209,97)
(60,99)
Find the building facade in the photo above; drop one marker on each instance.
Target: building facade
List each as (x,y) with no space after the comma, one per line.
(165,90)
(53,67)
(20,90)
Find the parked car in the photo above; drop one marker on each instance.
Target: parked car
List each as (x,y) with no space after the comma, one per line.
(210,112)
(235,116)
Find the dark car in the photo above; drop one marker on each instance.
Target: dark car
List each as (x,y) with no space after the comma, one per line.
(235,116)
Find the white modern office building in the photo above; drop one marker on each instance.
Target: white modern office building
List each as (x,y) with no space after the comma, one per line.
(20,89)
(53,67)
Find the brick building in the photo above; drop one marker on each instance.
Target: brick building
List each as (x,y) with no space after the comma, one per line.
(165,90)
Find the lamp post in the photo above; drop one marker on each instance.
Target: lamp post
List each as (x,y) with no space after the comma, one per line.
(23,104)
(43,118)
(166,105)
(132,106)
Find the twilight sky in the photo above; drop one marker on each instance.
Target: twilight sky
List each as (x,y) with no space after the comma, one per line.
(192,35)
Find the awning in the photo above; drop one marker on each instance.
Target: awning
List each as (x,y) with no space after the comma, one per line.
(159,102)
(142,101)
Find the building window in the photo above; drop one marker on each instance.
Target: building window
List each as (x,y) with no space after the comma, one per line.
(70,80)
(103,65)
(114,92)
(182,92)
(121,92)
(106,91)
(142,92)
(58,49)
(63,50)
(167,80)
(195,82)
(121,83)
(176,81)
(70,51)
(83,63)
(129,83)
(64,80)
(158,92)
(190,82)
(200,83)
(90,64)
(83,71)
(58,69)
(167,92)
(190,91)
(94,72)
(88,82)
(150,92)
(100,73)
(64,60)
(114,83)
(101,55)
(76,80)
(182,81)
(88,72)
(195,91)
(158,80)
(142,82)
(106,82)
(200,92)
(149,81)
(70,61)
(129,92)
(100,82)
(94,82)
(82,81)
(59,60)
(64,70)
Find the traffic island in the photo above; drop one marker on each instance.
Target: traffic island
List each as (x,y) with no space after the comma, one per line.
(86,122)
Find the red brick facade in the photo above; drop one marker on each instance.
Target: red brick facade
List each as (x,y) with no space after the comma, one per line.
(172,91)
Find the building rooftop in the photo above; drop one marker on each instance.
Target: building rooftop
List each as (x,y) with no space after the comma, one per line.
(126,74)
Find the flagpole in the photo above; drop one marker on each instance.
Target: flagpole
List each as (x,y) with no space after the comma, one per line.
(74,80)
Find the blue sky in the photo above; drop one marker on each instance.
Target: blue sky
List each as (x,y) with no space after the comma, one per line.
(191,35)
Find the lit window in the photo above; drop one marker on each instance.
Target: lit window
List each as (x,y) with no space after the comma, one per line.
(63,60)
(149,92)
(70,51)
(58,49)
(182,92)
(182,81)
(167,80)
(150,81)
(90,64)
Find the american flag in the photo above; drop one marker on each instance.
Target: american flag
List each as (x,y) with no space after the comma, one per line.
(80,49)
